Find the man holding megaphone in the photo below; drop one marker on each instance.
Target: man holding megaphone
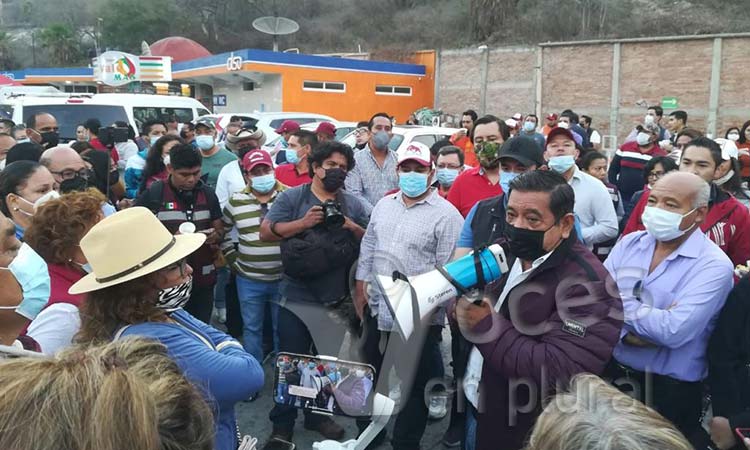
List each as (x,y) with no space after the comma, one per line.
(556,313)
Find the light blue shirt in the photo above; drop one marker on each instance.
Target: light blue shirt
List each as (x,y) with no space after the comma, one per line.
(674,307)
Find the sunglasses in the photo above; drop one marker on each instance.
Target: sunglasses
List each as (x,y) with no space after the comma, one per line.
(181,265)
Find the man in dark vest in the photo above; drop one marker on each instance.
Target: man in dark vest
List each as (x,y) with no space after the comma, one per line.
(185,204)
(484,223)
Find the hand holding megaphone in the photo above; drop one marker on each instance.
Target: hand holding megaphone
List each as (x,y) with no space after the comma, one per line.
(412,299)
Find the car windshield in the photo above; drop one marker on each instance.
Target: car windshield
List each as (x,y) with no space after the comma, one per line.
(71,115)
(396,140)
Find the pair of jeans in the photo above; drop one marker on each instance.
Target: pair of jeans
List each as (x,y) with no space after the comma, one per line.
(253,296)
(220,295)
(416,363)
(470,438)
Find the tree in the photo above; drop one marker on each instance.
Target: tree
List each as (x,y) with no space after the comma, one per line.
(125,23)
(60,42)
(6,58)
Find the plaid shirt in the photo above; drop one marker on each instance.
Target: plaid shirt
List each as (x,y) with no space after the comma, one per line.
(370,182)
(412,240)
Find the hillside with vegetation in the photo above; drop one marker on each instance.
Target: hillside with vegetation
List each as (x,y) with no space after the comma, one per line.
(68,32)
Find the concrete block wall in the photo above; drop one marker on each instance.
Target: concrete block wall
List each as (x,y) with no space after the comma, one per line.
(580,76)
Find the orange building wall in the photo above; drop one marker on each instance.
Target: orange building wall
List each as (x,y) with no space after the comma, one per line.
(359,102)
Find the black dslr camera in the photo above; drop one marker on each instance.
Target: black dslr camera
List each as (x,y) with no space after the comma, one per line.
(332,215)
(109,136)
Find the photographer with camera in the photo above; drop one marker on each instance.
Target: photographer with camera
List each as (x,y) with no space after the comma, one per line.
(320,227)
(93,126)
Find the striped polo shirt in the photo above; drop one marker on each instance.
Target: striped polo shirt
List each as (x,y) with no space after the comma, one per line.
(253,258)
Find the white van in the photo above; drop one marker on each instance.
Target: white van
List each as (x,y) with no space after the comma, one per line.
(71,110)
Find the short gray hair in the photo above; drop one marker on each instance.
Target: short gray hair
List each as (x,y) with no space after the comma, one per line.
(594,415)
(702,195)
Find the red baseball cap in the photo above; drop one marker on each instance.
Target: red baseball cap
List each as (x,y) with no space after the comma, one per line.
(551,116)
(557,131)
(326,128)
(289,126)
(256,157)
(416,151)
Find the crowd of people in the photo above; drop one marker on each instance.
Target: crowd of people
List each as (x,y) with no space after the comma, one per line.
(146,282)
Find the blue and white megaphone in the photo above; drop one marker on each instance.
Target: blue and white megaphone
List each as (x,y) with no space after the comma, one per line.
(411,299)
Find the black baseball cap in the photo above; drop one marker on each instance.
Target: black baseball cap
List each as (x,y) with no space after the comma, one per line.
(523,149)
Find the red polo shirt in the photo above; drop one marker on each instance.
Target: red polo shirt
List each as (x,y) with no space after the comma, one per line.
(288,176)
(469,188)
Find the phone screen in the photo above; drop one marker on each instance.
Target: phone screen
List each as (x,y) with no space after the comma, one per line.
(324,385)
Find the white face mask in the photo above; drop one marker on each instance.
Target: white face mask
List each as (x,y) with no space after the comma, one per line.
(643,138)
(664,225)
(563,125)
(51,195)
(649,119)
(733,137)
(725,178)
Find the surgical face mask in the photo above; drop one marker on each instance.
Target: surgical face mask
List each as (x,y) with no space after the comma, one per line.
(51,195)
(311,365)
(725,178)
(643,139)
(561,164)
(49,139)
(446,177)
(649,119)
(524,243)
(731,136)
(173,298)
(563,125)
(30,270)
(2,164)
(380,140)
(85,267)
(664,225)
(529,126)
(334,179)
(292,156)
(505,179)
(205,142)
(263,183)
(413,184)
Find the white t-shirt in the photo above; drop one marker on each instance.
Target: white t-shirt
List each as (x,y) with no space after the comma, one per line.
(229,182)
(55,327)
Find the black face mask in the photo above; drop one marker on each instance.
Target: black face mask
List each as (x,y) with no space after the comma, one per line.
(114,177)
(49,139)
(75,184)
(525,244)
(334,179)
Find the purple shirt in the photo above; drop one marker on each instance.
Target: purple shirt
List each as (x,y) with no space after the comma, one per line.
(675,307)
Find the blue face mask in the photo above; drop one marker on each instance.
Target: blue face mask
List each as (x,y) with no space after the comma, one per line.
(505,179)
(30,270)
(263,183)
(412,184)
(291,156)
(529,126)
(561,164)
(446,177)
(205,142)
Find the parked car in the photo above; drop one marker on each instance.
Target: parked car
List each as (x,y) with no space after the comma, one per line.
(342,128)
(403,135)
(267,121)
(73,109)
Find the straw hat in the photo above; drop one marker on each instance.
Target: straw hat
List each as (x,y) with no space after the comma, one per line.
(128,245)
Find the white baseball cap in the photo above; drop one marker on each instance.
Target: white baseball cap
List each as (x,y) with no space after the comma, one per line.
(415,151)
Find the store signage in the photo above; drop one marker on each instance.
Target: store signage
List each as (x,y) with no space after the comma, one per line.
(117,68)
(234,63)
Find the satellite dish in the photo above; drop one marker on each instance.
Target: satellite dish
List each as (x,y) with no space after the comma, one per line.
(275,26)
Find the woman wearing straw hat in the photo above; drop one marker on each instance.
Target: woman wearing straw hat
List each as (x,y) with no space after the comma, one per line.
(137,288)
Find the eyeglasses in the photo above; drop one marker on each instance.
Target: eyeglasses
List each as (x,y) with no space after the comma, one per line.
(361,131)
(69,174)
(656,175)
(181,264)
